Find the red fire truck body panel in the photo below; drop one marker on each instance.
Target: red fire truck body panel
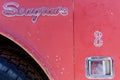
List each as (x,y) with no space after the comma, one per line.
(92,16)
(61,34)
(49,40)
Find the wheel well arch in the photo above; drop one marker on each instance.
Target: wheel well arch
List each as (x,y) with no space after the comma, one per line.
(5,40)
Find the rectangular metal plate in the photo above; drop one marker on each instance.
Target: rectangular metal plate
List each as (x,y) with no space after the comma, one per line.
(99,67)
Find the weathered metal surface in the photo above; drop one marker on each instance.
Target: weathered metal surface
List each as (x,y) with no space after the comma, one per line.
(101,16)
(49,40)
(61,39)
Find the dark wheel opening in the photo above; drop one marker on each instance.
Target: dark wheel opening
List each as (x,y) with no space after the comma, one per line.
(16,64)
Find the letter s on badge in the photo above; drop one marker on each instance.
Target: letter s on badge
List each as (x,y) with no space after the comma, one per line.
(10,9)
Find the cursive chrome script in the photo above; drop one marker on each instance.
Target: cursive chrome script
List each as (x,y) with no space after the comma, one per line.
(11,9)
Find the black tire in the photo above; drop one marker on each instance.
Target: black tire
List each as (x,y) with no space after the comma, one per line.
(16,65)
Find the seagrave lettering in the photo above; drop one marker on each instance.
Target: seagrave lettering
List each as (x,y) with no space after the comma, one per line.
(11,9)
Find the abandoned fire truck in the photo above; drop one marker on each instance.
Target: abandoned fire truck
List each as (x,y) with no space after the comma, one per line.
(59,39)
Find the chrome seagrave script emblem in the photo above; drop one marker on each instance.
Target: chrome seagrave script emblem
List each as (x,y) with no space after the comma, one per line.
(11,9)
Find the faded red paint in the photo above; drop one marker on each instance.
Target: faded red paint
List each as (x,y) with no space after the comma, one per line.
(91,16)
(60,44)
(49,40)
